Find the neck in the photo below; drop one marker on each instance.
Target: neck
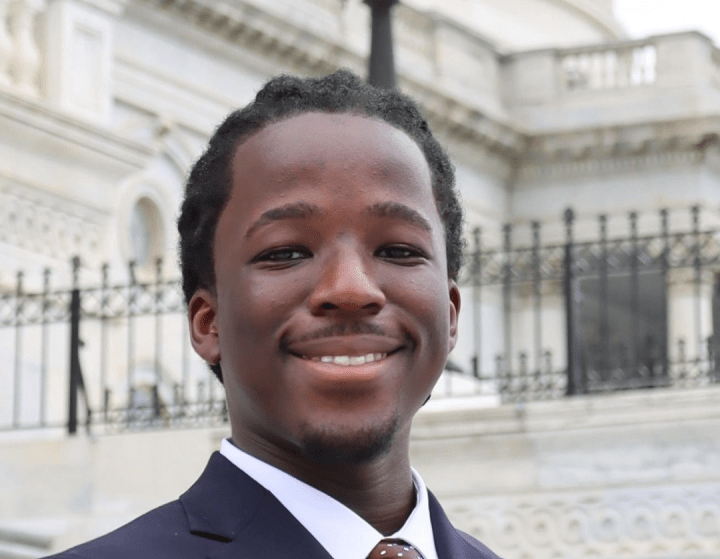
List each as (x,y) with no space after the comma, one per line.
(380,491)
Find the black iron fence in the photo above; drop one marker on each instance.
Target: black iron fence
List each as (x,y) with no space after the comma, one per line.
(113,356)
(604,313)
(584,313)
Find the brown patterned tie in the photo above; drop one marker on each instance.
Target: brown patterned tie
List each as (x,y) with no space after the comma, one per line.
(392,549)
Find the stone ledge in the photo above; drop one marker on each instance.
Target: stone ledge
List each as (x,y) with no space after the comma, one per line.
(44,119)
(571,414)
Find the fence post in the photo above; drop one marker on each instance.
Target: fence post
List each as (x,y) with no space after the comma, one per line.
(74,349)
(17,372)
(575,384)
(507,299)
(665,357)
(477,311)
(634,372)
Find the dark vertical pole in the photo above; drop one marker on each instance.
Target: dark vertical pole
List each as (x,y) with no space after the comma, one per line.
(665,270)
(537,296)
(634,301)
(74,349)
(477,301)
(524,385)
(507,301)
(382,62)
(697,264)
(575,383)
(132,293)
(604,307)
(17,382)
(43,346)
(158,335)
(104,390)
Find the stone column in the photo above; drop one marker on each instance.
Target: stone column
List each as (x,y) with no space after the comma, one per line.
(5,45)
(25,59)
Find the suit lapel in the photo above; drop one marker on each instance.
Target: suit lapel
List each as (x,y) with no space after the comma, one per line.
(451,543)
(227,505)
(242,520)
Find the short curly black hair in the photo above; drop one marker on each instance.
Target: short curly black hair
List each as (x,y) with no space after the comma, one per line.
(210,180)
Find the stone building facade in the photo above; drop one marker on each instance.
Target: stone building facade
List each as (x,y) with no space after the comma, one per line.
(543,105)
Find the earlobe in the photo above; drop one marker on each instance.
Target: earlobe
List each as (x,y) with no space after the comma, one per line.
(202,318)
(454,312)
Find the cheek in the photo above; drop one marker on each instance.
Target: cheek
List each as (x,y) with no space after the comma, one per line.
(428,299)
(251,304)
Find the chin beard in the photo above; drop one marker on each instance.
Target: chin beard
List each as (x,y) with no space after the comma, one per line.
(335,446)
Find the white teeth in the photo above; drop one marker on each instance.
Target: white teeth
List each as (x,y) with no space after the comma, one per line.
(350,359)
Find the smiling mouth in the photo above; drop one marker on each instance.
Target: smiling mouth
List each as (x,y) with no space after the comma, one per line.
(347,360)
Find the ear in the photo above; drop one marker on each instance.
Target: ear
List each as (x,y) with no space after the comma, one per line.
(454,312)
(202,318)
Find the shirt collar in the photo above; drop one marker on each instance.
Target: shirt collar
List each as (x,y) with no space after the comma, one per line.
(313,508)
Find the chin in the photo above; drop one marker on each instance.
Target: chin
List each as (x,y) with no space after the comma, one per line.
(336,445)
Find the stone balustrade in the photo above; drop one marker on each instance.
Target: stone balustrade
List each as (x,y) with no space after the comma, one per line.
(605,68)
(666,76)
(21,56)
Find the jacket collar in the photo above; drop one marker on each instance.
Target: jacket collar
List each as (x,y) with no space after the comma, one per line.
(228,505)
(452,543)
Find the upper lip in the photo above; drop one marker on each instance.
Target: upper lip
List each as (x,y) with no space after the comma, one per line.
(352,345)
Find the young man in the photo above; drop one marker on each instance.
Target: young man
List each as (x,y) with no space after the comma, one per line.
(320,243)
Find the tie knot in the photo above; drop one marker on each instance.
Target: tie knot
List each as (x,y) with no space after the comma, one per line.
(392,549)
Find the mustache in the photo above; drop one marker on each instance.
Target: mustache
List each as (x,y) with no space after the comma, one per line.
(340,329)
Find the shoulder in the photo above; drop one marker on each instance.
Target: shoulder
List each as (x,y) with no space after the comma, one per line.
(162,533)
(480,550)
(451,542)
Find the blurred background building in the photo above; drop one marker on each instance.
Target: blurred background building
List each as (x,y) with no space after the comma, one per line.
(578,416)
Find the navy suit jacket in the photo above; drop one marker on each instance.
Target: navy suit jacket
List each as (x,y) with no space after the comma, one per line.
(228,515)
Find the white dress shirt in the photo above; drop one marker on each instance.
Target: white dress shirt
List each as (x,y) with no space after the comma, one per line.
(343,533)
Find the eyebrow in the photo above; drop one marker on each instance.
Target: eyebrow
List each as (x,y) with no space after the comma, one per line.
(303,210)
(399,211)
(298,210)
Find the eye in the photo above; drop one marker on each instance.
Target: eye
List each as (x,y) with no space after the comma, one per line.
(405,254)
(283,255)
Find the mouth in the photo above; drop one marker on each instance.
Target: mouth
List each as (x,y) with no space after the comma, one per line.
(347,360)
(346,351)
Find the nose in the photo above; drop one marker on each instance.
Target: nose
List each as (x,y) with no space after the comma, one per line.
(347,285)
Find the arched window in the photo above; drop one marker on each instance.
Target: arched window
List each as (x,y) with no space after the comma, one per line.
(146,232)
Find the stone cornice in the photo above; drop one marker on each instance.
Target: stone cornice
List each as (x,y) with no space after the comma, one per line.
(631,147)
(45,120)
(114,7)
(247,25)
(303,51)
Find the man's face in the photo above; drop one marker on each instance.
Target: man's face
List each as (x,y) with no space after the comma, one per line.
(333,313)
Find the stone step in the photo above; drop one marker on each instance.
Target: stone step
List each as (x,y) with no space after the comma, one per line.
(22,544)
(20,551)
(25,537)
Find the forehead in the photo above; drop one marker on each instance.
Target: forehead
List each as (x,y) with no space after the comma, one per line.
(313,142)
(342,165)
